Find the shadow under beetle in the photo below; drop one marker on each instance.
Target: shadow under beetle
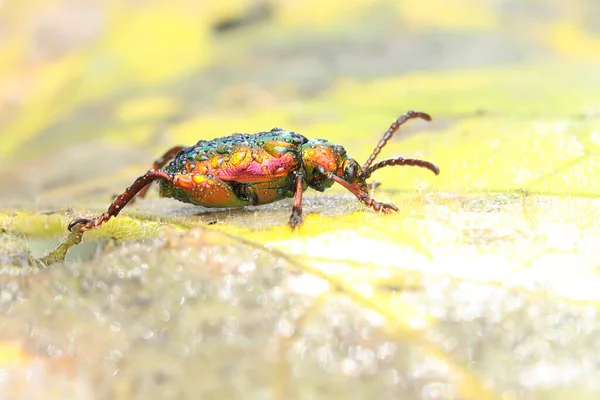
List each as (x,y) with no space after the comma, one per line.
(260,168)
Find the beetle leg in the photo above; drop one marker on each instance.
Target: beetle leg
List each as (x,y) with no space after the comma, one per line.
(296,217)
(158,164)
(363,196)
(121,201)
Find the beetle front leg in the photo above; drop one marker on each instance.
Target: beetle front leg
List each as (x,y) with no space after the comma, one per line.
(296,217)
(386,208)
(121,201)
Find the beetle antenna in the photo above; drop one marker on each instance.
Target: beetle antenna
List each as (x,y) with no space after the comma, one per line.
(402,161)
(390,132)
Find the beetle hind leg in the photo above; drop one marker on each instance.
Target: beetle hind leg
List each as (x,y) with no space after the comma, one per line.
(158,164)
(121,201)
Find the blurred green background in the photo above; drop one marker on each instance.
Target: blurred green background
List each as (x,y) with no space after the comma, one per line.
(483,286)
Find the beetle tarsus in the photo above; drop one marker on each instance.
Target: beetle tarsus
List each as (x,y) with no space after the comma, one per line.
(386,208)
(88,224)
(80,222)
(295,220)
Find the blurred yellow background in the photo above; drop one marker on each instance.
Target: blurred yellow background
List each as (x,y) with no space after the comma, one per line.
(92,91)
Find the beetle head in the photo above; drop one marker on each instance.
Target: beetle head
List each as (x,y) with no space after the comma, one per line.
(325,162)
(321,157)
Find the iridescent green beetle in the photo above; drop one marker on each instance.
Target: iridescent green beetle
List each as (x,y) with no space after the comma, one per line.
(261,168)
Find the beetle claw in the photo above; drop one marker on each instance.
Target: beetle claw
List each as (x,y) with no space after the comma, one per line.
(295,221)
(388,208)
(89,224)
(82,222)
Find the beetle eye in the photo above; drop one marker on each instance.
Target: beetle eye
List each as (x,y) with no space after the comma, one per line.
(350,172)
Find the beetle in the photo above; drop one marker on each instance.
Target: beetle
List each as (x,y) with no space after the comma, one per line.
(261,168)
